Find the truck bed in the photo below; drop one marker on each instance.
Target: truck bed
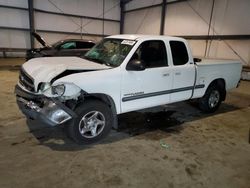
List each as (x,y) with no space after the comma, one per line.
(217,61)
(211,69)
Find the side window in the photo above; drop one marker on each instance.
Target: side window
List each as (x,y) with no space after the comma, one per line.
(152,53)
(83,45)
(68,45)
(179,52)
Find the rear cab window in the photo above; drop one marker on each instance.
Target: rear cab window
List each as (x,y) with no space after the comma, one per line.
(179,53)
(84,45)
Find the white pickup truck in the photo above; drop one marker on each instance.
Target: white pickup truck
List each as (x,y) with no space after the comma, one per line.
(120,74)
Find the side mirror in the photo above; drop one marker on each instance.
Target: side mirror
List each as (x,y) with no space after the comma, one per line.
(135,65)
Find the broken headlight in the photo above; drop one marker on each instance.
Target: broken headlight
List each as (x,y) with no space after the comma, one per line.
(44,86)
(58,89)
(67,90)
(48,90)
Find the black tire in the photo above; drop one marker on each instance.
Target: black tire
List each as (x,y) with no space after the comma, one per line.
(85,120)
(211,101)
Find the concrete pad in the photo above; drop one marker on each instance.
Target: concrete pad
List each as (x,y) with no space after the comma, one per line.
(11,63)
(170,146)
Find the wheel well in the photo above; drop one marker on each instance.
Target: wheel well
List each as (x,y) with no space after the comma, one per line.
(220,82)
(107,100)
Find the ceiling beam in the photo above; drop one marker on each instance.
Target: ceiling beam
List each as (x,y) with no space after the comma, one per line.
(13,7)
(155,5)
(215,37)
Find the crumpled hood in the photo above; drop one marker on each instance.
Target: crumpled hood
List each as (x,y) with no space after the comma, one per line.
(39,39)
(44,69)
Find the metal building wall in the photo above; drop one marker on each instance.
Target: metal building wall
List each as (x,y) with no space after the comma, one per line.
(230,24)
(14,18)
(229,17)
(56,20)
(145,21)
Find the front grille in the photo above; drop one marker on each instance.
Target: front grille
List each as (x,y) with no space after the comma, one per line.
(26,81)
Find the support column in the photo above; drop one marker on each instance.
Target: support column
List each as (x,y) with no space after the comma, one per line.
(122,16)
(103,12)
(31,22)
(163,13)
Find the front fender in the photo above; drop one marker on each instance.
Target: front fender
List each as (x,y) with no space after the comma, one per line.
(105,82)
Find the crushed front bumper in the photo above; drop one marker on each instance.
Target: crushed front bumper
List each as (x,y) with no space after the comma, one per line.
(38,107)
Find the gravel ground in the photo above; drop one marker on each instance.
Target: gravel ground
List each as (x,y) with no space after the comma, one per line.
(169,146)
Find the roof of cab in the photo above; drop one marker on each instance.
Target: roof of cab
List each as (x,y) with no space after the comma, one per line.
(143,37)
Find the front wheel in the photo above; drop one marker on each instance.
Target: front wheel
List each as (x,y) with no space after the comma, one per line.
(211,101)
(93,123)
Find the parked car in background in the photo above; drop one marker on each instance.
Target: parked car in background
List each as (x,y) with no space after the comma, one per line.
(67,47)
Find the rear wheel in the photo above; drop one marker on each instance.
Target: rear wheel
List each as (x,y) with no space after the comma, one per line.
(93,123)
(211,101)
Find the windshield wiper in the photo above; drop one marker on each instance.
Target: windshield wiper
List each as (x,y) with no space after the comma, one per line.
(109,64)
(97,61)
(93,59)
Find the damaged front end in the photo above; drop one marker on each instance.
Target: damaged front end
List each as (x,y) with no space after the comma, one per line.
(50,104)
(50,111)
(53,101)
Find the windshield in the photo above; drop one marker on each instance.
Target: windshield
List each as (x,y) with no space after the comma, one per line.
(56,44)
(110,51)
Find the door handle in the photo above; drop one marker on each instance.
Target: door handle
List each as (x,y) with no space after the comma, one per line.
(178,73)
(165,74)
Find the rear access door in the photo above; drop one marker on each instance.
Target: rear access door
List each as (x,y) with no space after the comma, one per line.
(183,72)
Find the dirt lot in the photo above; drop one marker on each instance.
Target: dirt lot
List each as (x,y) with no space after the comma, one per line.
(170,146)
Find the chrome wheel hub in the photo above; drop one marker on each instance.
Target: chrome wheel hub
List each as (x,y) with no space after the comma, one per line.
(92,124)
(214,98)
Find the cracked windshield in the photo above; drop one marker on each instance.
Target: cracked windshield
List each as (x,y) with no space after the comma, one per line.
(110,52)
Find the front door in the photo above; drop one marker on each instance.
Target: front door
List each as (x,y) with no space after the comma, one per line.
(150,87)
